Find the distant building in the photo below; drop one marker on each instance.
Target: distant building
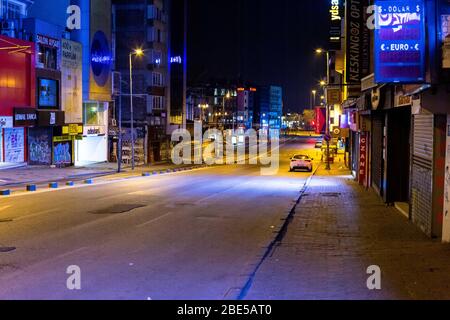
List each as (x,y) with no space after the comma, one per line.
(268,108)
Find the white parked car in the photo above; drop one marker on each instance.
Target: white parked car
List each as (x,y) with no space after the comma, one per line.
(301,162)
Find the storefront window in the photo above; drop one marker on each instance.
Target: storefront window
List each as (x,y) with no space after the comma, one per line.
(47,57)
(94,114)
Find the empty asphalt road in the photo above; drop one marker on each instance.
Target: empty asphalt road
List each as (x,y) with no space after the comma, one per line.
(187,235)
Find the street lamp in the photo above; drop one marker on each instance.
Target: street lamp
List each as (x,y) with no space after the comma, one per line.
(138,53)
(313,101)
(324,83)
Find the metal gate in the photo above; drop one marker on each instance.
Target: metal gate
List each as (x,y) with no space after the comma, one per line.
(422,171)
(377,153)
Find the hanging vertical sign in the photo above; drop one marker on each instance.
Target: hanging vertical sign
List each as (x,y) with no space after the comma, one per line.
(335,24)
(357,41)
(400,41)
(362,158)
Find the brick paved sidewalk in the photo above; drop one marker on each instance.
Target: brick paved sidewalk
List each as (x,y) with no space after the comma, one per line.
(339,229)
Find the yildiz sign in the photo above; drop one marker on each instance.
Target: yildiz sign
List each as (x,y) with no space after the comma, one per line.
(400,41)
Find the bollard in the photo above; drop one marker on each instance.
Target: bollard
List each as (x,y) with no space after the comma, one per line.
(6,192)
(31,188)
(53,185)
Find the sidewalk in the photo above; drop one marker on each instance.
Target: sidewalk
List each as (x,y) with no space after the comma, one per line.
(19,177)
(338,230)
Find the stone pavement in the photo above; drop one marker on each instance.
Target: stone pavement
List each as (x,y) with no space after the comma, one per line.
(340,229)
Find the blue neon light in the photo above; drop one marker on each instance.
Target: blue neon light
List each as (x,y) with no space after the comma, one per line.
(101,58)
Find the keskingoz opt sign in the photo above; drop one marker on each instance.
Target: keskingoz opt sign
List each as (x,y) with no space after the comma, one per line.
(400,41)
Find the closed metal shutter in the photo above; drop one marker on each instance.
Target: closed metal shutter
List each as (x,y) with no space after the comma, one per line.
(377,153)
(422,171)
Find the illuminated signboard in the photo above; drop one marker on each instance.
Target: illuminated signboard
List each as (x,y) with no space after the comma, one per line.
(101,58)
(176,59)
(335,24)
(400,41)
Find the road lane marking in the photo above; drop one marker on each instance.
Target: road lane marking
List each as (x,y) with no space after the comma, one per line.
(154,220)
(36,214)
(5,207)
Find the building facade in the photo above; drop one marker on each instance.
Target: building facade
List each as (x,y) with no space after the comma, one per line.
(399,118)
(95,36)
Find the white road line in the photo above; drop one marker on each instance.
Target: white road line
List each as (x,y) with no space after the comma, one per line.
(154,220)
(35,214)
(5,207)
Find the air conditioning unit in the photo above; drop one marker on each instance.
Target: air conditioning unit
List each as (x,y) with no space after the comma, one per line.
(8,25)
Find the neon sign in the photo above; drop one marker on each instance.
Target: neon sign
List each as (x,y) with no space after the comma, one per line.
(176,59)
(101,58)
(400,41)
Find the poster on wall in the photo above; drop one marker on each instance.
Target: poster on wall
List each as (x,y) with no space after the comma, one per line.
(14,145)
(400,41)
(72,81)
(40,146)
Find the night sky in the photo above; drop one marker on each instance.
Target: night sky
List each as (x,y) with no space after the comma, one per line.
(259,41)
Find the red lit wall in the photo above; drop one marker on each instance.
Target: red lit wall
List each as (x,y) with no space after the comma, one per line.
(321,120)
(17,76)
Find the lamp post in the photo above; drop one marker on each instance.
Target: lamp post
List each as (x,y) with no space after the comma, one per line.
(324,84)
(137,53)
(313,98)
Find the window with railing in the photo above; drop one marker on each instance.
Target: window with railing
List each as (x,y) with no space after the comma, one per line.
(157,79)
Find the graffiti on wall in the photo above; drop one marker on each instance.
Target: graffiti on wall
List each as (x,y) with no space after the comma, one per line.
(14,145)
(62,153)
(40,149)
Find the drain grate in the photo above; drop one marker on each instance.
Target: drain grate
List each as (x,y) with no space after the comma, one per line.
(119,208)
(331,194)
(6,249)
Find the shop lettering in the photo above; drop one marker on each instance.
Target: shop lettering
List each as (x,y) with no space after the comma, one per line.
(362,158)
(93,131)
(47,41)
(334,10)
(354,52)
(25,117)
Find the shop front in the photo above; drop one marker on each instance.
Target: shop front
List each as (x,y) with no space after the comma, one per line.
(17,89)
(40,137)
(93,148)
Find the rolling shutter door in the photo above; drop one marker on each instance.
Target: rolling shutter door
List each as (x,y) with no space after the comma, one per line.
(422,171)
